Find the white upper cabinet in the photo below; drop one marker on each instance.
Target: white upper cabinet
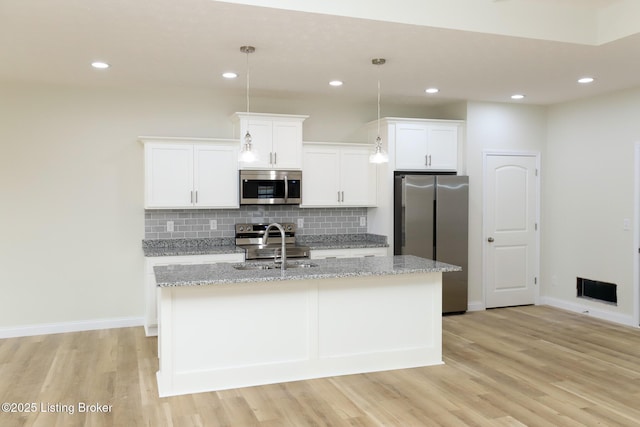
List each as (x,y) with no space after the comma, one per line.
(338,175)
(190,173)
(426,146)
(421,144)
(277,139)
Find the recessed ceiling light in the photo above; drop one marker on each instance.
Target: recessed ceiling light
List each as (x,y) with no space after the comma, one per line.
(585,80)
(335,83)
(432,90)
(230,75)
(100,65)
(517,96)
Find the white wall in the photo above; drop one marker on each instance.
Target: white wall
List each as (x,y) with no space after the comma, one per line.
(492,126)
(71,187)
(589,191)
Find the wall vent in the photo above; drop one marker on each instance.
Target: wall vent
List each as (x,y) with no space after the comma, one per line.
(596,290)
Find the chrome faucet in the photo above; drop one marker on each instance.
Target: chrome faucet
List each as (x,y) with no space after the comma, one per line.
(283,251)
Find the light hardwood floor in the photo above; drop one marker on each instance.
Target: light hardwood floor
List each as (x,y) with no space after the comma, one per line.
(521,366)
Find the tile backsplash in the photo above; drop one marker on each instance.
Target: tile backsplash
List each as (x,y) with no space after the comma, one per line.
(195,223)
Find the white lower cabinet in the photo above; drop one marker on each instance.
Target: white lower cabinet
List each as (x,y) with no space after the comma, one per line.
(337,174)
(347,253)
(151,289)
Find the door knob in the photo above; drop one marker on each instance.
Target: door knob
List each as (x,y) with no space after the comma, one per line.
(490,240)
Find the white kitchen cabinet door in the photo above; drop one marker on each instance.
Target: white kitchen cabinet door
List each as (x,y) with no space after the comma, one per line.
(287,145)
(168,175)
(321,176)
(411,147)
(261,141)
(442,148)
(357,177)
(216,176)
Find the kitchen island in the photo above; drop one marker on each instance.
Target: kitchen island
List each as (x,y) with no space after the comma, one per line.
(225,326)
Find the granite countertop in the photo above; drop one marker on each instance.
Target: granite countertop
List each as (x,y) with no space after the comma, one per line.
(171,247)
(225,273)
(343,241)
(226,245)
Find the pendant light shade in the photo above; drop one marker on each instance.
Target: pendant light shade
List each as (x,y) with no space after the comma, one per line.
(248,154)
(379,155)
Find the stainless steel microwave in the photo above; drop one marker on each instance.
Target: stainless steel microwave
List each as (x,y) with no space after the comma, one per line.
(270,187)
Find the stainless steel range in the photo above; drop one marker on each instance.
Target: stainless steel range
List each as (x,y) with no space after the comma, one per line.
(251,238)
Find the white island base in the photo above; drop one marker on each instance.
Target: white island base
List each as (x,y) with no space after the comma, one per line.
(223,336)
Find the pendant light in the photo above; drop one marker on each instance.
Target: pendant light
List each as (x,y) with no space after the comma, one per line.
(248,154)
(379,155)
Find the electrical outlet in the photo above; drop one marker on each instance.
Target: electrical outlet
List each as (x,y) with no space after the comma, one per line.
(213,224)
(363,221)
(300,222)
(170,226)
(626,224)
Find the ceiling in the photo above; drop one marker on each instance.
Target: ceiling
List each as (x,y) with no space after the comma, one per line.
(190,43)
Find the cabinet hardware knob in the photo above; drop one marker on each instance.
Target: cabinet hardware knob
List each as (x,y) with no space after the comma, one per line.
(490,240)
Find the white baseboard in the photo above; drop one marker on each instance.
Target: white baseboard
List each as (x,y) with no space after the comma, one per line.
(475,306)
(589,310)
(151,330)
(57,328)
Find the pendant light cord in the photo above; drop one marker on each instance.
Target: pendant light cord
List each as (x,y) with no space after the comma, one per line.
(378,104)
(378,62)
(248,81)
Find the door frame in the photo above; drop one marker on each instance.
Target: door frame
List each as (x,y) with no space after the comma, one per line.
(636,234)
(536,267)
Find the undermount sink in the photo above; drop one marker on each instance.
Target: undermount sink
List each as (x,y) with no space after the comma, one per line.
(272,266)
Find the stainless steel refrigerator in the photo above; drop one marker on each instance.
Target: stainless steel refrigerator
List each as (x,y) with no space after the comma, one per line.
(431,221)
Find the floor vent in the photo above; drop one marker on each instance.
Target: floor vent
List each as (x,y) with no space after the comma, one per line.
(596,290)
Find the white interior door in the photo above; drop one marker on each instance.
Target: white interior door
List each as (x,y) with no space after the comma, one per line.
(510,230)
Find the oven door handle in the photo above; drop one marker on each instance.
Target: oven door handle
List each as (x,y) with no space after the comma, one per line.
(286,188)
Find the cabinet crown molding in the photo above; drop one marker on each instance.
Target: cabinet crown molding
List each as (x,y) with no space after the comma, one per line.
(410,120)
(185,139)
(240,115)
(338,144)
